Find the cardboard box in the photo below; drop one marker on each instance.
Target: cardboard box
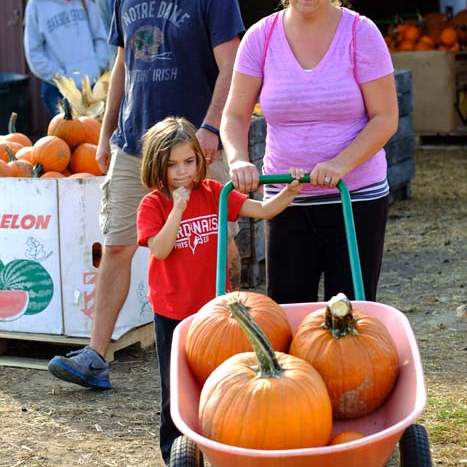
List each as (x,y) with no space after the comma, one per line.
(434,89)
(47,230)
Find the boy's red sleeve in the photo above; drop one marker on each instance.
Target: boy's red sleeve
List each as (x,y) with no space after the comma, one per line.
(149,220)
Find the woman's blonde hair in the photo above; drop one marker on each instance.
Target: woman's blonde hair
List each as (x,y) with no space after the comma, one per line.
(157,144)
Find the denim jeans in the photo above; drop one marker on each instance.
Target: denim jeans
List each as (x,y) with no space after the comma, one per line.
(168,431)
(51,97)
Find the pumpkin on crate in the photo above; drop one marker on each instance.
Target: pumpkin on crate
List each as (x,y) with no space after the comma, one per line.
(13,136)
(65,126)
(5,146)
(19,168)
(24,154)
(215,335)
(5,169)
(51,153)
(81,175)
(52,174)
(92,128)
(83,159)
(353,352)
(264,399)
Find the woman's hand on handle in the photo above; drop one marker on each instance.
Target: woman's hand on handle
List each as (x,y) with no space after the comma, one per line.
(327,174)
(245,176)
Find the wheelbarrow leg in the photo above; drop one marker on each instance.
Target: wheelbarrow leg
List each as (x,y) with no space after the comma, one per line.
(414,447)
(185,453)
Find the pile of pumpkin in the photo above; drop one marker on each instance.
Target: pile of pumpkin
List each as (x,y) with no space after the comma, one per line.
(433,32)
(68,150)
(340,364)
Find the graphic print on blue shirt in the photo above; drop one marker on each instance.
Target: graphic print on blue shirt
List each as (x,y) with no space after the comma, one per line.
(170,64)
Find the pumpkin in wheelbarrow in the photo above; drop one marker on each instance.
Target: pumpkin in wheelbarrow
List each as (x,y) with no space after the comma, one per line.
(214,334)
(354,354)
(264,399)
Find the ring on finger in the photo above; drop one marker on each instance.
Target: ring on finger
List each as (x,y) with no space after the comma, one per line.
(327,179)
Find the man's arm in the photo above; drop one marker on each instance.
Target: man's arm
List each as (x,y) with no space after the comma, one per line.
(224,55)
(114,98)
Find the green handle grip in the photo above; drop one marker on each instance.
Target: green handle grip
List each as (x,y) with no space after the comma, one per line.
(287,178)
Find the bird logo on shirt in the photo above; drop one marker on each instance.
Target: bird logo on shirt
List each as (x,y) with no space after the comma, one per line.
(194,240)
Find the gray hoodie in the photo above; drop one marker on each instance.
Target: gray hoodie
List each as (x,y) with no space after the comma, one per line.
(60,37)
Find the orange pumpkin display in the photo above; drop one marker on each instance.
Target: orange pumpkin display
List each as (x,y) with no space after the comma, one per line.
(411,33)
(448,37)
(346,437)
(5,146)
(83,159)
(264,399)
(69,129)
(5,169)
(92,128)
(13,136)
(214,334)
(53,174)
(24,154)
(353,352)
(81,175)
(51,153)
(406,45)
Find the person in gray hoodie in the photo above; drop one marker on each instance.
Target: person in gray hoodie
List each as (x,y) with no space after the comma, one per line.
(64,37)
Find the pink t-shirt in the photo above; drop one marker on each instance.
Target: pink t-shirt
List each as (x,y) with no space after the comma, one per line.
(312,115)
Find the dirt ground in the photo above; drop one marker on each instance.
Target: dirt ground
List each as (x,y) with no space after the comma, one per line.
(44,422)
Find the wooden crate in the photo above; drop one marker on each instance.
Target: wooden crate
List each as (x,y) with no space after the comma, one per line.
(143,336)
(434,88)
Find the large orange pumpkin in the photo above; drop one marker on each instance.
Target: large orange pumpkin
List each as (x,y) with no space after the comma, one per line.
(354,354)
(411,33)
(51,153)
(92,128)
(264,399)
(64,126)
(13,136)
(214,334)
(83,159)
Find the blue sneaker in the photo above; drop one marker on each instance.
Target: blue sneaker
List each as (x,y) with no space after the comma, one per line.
(84,367)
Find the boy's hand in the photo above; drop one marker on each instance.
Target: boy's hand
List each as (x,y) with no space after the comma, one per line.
(181,196)
(295,187)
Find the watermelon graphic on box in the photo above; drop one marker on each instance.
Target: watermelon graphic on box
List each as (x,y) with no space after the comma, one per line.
(20,277)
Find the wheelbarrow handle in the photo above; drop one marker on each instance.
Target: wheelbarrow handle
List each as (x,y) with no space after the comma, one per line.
(287,178)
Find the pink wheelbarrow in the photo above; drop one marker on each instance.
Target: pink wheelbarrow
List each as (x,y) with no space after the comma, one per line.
(392,423)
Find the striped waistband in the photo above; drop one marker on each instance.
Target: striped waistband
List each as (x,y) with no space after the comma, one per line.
(366,193)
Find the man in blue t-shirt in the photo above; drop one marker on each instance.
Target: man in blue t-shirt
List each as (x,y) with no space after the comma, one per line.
(174,57)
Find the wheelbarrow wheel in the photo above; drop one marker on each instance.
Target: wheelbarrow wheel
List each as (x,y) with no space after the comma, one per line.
(185,453)
(414,447)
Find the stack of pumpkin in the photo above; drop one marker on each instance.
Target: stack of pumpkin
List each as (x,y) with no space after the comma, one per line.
(433,32)
(340,364)
(68,150)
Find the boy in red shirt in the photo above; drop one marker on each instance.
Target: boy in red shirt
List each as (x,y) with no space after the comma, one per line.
(178,222)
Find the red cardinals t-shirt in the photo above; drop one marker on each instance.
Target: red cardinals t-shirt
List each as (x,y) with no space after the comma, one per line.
(183,282)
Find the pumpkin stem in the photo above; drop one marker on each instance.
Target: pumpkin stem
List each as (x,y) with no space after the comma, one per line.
(268,364)
(10,153)
(12,122)
(37,171)
(339,318)
(67,109)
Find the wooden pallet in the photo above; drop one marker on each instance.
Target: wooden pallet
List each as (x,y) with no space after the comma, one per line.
(143,336)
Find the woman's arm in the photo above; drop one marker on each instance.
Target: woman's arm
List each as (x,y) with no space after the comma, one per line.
(380,99)
(235,125)
(162,244)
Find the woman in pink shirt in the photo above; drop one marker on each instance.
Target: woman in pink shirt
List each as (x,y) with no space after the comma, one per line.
(324,79)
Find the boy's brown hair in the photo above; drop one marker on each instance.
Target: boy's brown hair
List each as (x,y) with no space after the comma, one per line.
(157,144)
